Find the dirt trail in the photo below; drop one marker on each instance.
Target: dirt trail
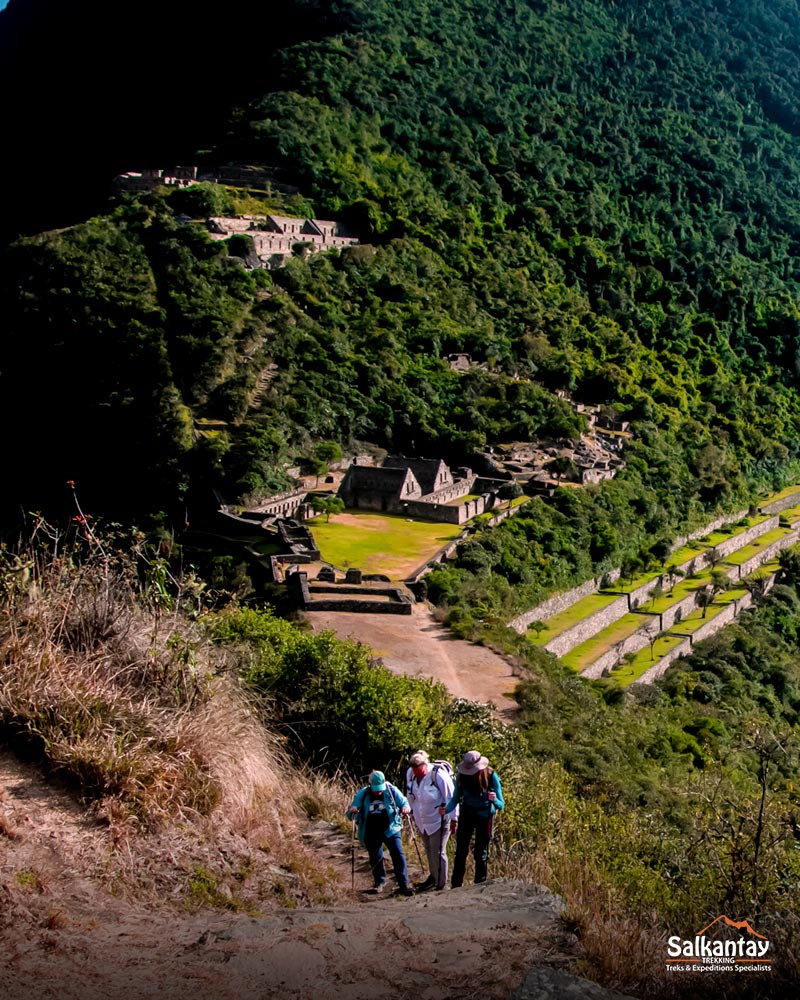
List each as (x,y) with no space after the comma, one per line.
(419,646)
(65,935)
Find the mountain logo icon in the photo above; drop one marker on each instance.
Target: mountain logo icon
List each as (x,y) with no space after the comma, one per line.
(724,945)
(739,925)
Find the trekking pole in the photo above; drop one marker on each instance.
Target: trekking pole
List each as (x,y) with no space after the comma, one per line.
(353,855)
(441,850)
(410,826)
(416,844)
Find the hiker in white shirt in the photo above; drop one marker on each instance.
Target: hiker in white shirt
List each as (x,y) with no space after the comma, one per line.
(429,787)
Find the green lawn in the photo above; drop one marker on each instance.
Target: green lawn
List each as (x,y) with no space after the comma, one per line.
(379,543)
(788,491)
(742,555)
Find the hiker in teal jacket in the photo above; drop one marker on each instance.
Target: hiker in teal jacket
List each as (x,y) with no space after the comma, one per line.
(479,794)
(380,808)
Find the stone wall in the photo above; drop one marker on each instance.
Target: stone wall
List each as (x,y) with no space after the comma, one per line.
(767,553)
(746,537)
(713,625)
(708,528)
(685,605)
(398,604)
(361,607)
(460,488)
(558,602)
(282,504)
(778,505)
(444,553)
(561,644)
(445,513)
(393,593)
(631,644)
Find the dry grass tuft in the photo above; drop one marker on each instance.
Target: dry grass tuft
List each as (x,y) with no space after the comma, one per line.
(622,951)
(110,691)
(121,695)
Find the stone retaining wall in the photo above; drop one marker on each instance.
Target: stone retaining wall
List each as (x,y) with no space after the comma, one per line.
(704,632)
(711,526)
(559,602)
(778,505)
(765,554)
(397,604)
(394,593)
(685,605)
(631,644)
(362,607)
(736,542)
(561,644)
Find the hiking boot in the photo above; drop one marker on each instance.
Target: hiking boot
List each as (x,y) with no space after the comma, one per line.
(404,890)
(429,883)
(377,888)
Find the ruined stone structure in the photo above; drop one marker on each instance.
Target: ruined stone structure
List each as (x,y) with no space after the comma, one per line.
(153,177)
(275,236)
(527,462)
(420,487)
(290,504)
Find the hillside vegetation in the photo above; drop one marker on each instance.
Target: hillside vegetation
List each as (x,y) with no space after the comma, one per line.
(597,197)
(649,812)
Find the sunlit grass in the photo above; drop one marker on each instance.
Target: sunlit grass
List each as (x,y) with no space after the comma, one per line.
(379,543)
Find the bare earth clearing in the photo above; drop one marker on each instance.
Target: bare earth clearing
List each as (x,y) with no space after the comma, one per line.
(419,646)
(64,934)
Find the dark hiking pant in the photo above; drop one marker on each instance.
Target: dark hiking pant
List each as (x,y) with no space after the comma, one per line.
(374,844)
(470,823)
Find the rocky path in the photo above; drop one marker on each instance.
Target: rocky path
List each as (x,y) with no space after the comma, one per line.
(66,935)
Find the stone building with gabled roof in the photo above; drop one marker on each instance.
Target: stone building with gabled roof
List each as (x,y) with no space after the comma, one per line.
(275,237)
(417,487)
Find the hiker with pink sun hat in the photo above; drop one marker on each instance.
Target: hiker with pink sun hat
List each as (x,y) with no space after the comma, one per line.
(478,794)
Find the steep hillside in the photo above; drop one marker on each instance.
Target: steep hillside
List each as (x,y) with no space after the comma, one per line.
(598,198)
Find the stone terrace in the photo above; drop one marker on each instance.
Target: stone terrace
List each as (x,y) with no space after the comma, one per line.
(596,631)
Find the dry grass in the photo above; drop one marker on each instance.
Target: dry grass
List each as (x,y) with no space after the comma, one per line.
(119,693)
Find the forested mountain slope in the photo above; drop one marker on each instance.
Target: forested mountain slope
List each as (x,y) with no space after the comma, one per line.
(598,197)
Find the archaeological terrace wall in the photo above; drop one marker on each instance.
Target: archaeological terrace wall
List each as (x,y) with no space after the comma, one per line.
(561,644)
(764,556)
(725,617)
(560,602)
(778,505)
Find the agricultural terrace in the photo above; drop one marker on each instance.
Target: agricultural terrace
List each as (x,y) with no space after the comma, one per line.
(781,495)
(570,616)
(635,665)
(694,549)
(379,543)
(740,556)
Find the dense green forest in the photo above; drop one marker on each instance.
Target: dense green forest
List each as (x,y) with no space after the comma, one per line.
(598,197)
